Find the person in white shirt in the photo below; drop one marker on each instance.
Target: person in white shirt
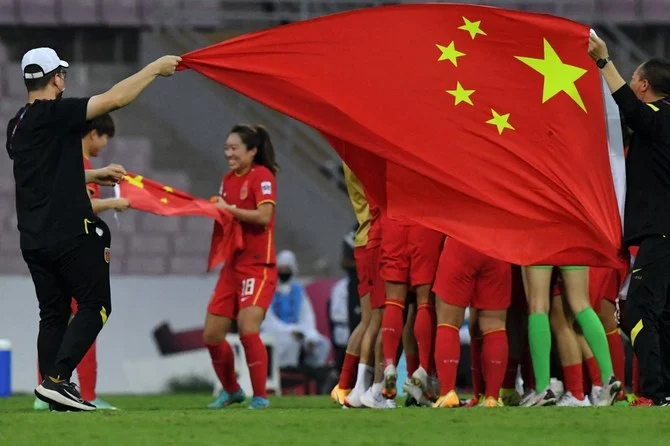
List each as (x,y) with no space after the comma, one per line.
(290,320)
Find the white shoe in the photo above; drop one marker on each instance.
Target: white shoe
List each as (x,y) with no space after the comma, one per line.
(353,400)
(546,398)
(595,395)
(528,398)
(608,394)
(569,400)
(374,400)
(557,387)
(388,404)
(417,386)
(389,391)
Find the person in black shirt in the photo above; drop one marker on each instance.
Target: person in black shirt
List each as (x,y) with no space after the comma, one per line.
(646,109)
(64,244)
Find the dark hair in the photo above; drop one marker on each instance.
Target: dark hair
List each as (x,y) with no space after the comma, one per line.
(103,124)
(656,71)
(41,82)
(256,137)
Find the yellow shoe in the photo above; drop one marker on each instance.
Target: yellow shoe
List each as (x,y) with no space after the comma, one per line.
(448,400)
(492,402)
(338,395)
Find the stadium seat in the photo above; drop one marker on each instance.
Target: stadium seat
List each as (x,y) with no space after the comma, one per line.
(8,13)
(13,264)
(128,223)
(203,13)
(79,12)
(145,265)
(655,11)
(151,223)
(149,243)
(192,243)
(121,12)
(9,107)
(177,180)
(190,265)
(16,88)
(198,225)
(9,243)
(38,12)
(619,10)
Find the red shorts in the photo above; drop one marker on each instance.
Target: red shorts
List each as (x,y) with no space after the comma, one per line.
(603,284)
(369,280)
(244,286)
(410,253)
(466,277)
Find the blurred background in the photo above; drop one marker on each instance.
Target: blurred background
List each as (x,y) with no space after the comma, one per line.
(174,134)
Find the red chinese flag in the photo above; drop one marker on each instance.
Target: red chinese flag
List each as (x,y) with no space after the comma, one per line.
(150,196)
(483,123)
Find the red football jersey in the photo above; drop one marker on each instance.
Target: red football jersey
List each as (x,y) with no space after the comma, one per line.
(92,188)
(249,191)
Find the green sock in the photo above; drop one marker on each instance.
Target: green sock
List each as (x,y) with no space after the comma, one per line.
(539,339)
(594,333)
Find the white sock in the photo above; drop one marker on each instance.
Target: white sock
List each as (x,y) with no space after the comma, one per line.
(376,388)
(362,377)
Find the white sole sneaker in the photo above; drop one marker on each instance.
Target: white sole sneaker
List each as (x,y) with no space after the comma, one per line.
(54,397)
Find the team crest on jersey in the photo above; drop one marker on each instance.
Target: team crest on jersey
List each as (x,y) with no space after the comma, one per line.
(108,255)
(266,188)
(244,191)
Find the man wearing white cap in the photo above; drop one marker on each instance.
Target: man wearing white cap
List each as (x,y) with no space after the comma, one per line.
(64,244)
(290,319)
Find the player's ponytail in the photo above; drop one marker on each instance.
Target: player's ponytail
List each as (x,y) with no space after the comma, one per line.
(256,137)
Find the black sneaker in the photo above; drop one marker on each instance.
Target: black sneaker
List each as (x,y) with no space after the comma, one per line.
(64,393)
(410,401)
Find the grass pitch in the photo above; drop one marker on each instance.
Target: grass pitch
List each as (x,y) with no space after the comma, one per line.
(185,420)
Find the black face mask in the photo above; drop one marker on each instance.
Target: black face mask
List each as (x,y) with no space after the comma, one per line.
(285,277)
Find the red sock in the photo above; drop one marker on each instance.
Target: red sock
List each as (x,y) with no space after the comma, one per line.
(87,371)
(617,354)
(573,380)
(412,361)
(392,324)
(478,386)
(494,360)
(447,355)
(257,361)
(594,371)
(510,373)
(223,361)
(348,373)
(636,377)
(424,332)
(527,369)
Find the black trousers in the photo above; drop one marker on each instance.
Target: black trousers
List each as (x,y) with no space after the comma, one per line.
(76,268)
(647,318)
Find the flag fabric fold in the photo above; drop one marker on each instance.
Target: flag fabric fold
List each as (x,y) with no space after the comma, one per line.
(150,196)
(486,124)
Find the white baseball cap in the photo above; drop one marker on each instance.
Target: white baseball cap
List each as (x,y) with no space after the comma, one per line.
(45,58)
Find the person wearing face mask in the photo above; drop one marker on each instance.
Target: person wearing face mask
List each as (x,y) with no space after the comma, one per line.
(290,320)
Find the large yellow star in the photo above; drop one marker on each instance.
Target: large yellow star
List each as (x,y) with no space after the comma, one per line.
(135,181)
(500,121)
(460,94)
(558,76)
(449,53)
(472,27)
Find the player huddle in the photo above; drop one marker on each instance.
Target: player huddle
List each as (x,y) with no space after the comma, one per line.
(415,286)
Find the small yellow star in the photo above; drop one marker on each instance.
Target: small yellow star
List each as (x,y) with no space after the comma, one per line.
(168,189)
(164,200)
(558,76)
(449,53)
(472,27)
(135,181)
(500,121)
(461,95)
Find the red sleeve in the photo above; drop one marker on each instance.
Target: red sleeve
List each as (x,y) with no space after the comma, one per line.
(93,189)
(264,187)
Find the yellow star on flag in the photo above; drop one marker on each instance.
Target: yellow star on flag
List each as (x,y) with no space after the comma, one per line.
(472,27)
(449,53)
(460,94)
(558,76)
(500,121)
(135,181)
(168,189)
(164,200)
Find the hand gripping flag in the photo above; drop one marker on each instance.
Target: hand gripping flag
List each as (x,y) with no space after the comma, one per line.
(150,196)
(483,123)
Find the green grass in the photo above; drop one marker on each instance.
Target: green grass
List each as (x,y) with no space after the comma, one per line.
(183,420)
